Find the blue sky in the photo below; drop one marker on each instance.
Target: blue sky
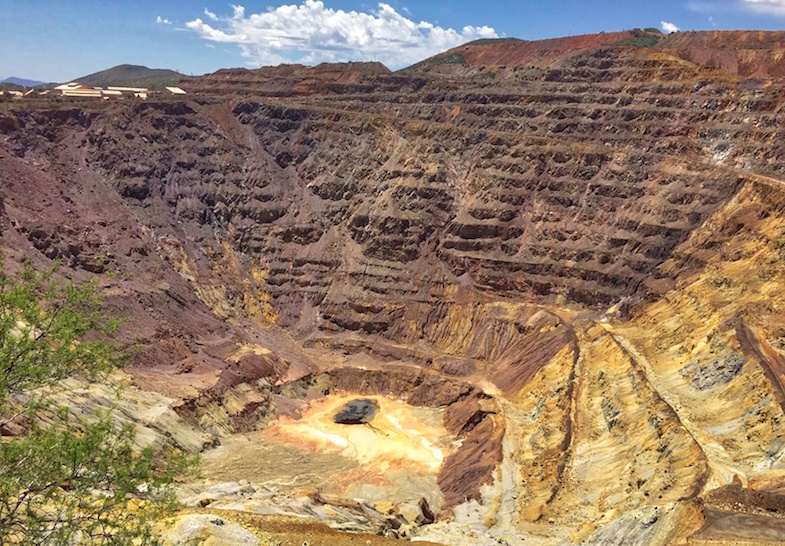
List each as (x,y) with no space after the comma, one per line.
(58,40)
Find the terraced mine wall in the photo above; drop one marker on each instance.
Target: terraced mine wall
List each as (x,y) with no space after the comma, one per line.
(575,254)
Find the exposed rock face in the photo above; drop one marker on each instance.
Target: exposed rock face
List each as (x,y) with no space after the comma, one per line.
(287,80)
(571,248)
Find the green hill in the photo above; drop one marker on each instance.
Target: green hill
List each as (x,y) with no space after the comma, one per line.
(6,86)
(130,75)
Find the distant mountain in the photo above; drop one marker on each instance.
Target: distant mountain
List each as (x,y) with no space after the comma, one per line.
(21,81)
(130,75)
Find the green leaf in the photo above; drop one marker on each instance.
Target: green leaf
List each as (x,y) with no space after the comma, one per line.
(68,480)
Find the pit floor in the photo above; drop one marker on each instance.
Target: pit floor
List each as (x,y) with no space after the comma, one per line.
(395,458)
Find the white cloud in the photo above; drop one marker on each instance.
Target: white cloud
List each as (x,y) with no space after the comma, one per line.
(668,27)
(714,7)
(161,21)
(312,33)
(775,7)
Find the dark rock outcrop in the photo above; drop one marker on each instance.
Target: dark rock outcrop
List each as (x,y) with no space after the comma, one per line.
(357,412)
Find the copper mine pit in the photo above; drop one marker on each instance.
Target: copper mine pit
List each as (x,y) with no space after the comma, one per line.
(520,293)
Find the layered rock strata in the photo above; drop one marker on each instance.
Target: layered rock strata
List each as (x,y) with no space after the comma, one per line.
(570,250)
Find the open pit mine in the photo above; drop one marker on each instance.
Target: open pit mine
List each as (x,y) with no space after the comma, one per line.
(521,293)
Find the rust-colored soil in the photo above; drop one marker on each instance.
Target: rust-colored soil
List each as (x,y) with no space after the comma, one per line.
(289,531)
